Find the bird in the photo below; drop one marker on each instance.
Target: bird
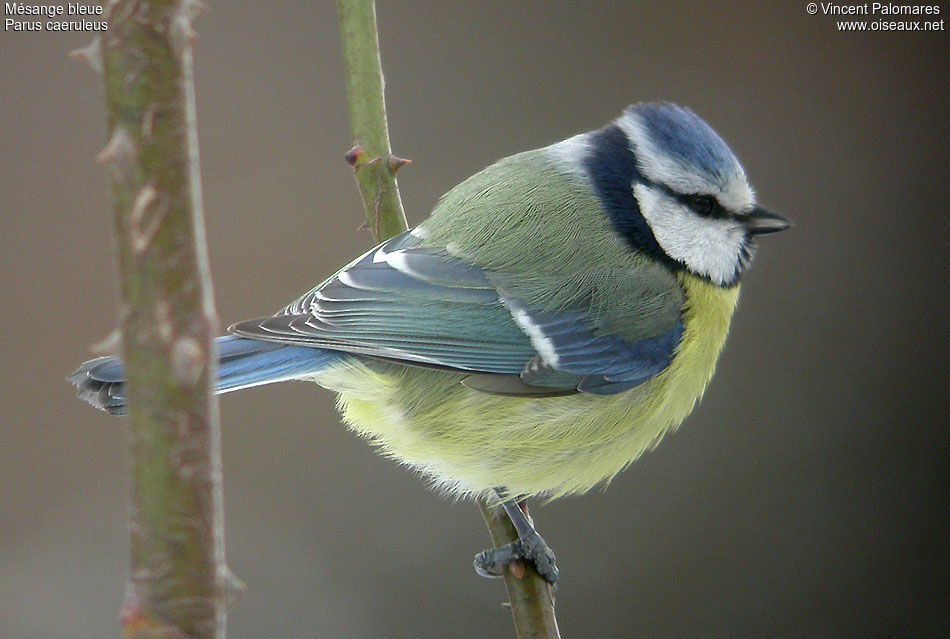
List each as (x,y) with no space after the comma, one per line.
(553,318)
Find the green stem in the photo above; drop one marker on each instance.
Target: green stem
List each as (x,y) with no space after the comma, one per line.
(532,605)
(179,582)
(371,157)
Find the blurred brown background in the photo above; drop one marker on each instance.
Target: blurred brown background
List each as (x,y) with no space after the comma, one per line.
(805,497)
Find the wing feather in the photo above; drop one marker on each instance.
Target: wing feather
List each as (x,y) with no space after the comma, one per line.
(420,305)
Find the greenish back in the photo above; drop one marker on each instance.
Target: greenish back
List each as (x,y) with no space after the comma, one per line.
(541,229)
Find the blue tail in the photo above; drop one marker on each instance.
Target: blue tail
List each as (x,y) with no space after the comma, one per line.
(242,363)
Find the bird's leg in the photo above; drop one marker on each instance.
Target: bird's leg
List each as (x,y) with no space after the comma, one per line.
(530,547)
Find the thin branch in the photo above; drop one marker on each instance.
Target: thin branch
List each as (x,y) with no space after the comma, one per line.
(371,157)
(531,598)
(179,584)
(532,605)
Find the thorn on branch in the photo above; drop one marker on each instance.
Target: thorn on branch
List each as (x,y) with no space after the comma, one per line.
(355,156)
(396,163)
(187,360)
(231,586)
(119,151)
(91,54)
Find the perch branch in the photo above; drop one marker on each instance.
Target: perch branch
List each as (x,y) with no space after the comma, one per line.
(374,165)
(532,606)
(532,602)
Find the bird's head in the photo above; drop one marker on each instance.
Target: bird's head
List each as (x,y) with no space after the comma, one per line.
(674,190)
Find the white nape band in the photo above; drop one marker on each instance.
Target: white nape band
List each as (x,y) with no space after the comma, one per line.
(569,154)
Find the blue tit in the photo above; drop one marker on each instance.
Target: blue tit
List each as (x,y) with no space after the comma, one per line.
(554,317)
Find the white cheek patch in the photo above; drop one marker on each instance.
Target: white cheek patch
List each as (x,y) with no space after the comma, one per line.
(707,246)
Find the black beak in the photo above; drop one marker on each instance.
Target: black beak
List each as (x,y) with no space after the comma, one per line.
(761,221)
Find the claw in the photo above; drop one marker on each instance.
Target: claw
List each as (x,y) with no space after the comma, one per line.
(486,566)
(491,563)
(538,551)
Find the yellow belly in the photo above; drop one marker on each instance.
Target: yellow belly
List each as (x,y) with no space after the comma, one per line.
(469,442)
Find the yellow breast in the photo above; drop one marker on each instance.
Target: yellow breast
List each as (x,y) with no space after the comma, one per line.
(469,442)
(707,312)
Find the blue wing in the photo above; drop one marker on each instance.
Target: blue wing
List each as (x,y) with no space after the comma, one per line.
(419,305)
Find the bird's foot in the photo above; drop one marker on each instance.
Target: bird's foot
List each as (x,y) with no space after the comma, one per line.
(491,563)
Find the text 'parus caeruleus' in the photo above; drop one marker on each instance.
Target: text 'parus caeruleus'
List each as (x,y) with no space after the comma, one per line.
(555,316)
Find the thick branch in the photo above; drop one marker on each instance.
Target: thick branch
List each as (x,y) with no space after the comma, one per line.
(179,583)
(374,165)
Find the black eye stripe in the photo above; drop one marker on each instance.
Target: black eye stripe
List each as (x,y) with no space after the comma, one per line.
(700,203)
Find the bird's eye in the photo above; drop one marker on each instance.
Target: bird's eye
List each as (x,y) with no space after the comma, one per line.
(703,204)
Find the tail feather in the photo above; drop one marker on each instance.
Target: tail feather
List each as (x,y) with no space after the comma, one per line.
(242,363)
